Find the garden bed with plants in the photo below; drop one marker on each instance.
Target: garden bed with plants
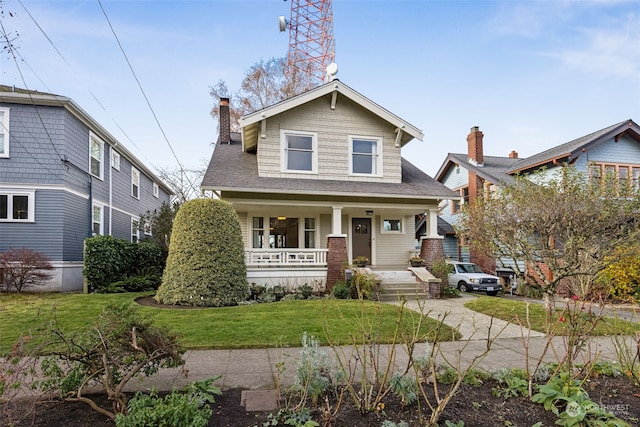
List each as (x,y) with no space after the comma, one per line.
(479,403)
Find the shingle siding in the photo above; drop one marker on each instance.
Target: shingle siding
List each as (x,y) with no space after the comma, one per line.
(333,128)
(625,151)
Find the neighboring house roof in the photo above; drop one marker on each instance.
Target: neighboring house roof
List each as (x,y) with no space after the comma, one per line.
(494,169)
(232,169)
(13,95)
(503,169)
(571,150)
(250,123)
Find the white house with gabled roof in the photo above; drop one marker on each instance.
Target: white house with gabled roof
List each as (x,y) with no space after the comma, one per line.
(318,180)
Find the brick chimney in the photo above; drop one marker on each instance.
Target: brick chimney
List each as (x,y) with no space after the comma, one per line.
(513,154)
(225,121)
(474,141)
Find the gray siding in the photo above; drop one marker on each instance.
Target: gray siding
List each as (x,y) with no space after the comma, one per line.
(77,220)
(39,138)
(32,148)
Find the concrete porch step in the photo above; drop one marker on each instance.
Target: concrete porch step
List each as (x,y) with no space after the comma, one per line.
(397,283)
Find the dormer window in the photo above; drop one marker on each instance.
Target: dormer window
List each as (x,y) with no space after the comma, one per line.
(365,157)
(299,151)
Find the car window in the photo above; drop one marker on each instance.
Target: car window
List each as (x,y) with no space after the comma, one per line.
(469,268)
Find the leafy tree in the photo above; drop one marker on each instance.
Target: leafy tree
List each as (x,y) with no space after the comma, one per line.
(265,83)
(206,264)
(21,267)
(621,276)
(559,224)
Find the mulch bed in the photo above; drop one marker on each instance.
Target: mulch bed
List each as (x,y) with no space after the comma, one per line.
(474,405)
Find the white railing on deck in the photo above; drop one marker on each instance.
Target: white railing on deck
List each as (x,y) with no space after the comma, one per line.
(286,257)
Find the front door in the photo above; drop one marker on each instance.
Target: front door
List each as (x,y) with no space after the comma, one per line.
(361,237)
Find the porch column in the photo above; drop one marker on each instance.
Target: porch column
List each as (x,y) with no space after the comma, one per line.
(432,244)
(336,249)
(336,221)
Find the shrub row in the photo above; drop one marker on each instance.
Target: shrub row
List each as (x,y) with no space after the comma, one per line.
(116,265)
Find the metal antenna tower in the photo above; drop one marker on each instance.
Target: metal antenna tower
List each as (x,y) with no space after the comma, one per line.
(311,43)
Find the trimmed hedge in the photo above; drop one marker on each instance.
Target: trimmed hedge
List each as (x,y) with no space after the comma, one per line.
(108,260)
(205,266)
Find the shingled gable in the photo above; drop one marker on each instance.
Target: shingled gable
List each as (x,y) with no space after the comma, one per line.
(232,169)
(571,150)
(251,123)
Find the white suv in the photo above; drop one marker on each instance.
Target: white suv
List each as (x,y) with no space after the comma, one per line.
(467,277)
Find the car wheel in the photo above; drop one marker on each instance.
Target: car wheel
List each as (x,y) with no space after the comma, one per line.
(463,287)
(492,294)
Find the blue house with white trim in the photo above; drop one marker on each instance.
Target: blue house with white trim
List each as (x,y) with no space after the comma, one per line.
(612,152)
(64,178)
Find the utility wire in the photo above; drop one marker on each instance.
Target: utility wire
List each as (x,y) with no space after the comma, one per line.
(142,90)
(44,33)
(11,50)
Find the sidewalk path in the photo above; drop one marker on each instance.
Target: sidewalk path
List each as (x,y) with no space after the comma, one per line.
(253,369)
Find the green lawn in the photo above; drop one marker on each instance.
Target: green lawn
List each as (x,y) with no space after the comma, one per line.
(511,310)
(254,326)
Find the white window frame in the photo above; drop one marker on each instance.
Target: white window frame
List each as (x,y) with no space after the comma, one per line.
(304,230)
(156,190)
(375,157)
(385,219)
(135,183)
(135,232)
(100,220)
(258,229)
(93,138)
(147,228)
(4,130)
(284,151)
(31,204)
(115,160)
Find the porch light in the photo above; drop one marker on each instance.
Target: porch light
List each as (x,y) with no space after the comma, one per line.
(281,218)
(369,213)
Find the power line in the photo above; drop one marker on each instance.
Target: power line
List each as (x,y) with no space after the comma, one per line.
(141,89)
(11,50)
(53,45)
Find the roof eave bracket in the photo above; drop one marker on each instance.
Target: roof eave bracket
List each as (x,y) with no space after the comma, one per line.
(334,98)
(398,137)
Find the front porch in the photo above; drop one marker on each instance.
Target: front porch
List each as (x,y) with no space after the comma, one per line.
(286,258)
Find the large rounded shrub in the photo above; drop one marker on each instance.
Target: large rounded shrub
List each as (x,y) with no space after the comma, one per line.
(205,266)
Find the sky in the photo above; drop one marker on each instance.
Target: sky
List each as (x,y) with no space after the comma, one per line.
(530,74)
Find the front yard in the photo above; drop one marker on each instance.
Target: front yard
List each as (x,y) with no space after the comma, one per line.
(252,326)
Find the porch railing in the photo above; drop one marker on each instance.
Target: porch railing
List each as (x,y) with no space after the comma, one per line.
(286,257)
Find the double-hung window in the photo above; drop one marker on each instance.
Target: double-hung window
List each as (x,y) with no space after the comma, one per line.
(115,160)
(156,192)
(135,182)
(97,215)
(4,132)
(365,157)
(309,233)
(96,156)
(17,206)
(299,151)
(258,232)
(135,230)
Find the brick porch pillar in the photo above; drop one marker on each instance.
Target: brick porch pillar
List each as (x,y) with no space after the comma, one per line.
(336,258)
(431,250)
